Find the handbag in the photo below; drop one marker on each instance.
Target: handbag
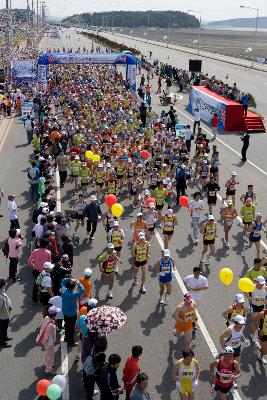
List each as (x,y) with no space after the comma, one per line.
(40,337)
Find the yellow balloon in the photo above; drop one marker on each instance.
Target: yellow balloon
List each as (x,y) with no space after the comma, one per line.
(246,285)
(117,210)
(89,154)
(96,158)
(226,276)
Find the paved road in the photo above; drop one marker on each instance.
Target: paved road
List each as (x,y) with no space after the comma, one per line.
(246,79)
(148,323)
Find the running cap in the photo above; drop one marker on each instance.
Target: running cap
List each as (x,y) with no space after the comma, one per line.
(258,214)
(188,297)
(239,298)
(108,165)
(43,204)
(197,269)
(45,210)
(151,205)
(229,203)
(260,279)
(53,310)
(100,165)
(48,265)
(146,192)
(141,235)
(211,217)
(239,319)
(234,173)
(228,350)
(169,211)
(167,253)
(92,303)
(93,198)
(139,214)
(87,272)
(115,223)
(110,246)
(77,157)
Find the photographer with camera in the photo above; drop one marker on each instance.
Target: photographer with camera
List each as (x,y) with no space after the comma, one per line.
(71,290)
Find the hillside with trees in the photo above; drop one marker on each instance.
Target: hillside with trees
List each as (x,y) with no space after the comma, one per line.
(130,19)
(240,23)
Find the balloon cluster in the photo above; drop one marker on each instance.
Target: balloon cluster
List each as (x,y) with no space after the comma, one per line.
(245,284)
(53,390)
(116,208)
(91,156)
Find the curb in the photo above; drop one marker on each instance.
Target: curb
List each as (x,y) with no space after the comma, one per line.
(185,50)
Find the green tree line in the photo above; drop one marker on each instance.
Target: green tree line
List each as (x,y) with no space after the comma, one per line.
(130,19)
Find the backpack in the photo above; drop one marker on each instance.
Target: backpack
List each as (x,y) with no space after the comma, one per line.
(5,249)
(89,367)
(39,279)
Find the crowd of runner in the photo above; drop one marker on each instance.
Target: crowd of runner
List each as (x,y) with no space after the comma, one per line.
(94,136)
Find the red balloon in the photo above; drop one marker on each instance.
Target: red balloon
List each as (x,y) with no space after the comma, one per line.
(144,154)
(110,200)
(150,200)
(42,387)
(183,201)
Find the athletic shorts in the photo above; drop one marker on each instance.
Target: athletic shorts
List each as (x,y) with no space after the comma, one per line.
(140,263)
(254,239)
(133,192)
(85,184)
(159,206)
(237,351)
(165,279)
(44,298)
(99,184)
(74,176)
(207,242)
(214,170)
(247,223)
(230,192)
(257,308)
(212,200)
(120,176)
(169,233)
(221,389)
(151,229)
(118,249)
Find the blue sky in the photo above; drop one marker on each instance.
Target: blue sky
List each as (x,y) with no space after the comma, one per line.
(211,10)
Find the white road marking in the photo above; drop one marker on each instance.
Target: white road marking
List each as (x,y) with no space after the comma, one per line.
(63,345)
(200,322)
(65,367)
(227,145)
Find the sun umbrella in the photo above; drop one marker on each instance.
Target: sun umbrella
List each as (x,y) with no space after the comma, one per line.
(105,319)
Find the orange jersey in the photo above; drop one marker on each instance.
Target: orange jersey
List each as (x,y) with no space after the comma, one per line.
(186,314)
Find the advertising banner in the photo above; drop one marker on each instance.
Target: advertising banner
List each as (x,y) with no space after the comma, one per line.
(131,75)
(42,73)
(208,105)
(22,68)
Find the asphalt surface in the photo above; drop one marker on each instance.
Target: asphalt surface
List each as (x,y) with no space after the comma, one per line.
(246,79)
(149,324)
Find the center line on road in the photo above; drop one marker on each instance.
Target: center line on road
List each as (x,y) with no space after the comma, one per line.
(200,322)
(226,145)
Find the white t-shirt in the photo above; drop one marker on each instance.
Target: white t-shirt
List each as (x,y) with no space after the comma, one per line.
(197,115)
(187,134)
(194,283)
(46,283)
(12,210)
(194,205)
(57,302)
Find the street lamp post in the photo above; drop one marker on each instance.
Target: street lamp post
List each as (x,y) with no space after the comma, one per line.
(255,32)
(198,41)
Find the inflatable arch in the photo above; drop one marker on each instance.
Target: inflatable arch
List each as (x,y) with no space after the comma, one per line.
(87,58)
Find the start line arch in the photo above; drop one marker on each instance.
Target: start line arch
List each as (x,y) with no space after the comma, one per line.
(126,59)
